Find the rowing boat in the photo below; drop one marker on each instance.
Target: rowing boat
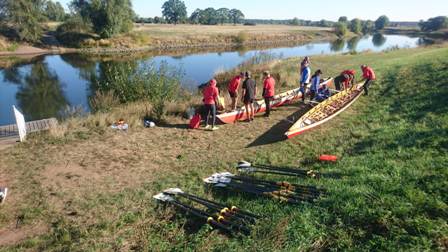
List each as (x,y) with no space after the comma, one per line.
(260,105)
(326,110)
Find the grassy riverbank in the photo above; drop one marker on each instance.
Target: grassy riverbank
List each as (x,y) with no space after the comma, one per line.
(86,187)
(150,37)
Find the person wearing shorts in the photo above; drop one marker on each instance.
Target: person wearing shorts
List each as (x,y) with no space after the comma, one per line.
(249,93)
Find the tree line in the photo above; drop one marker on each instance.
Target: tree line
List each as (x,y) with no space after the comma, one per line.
(358,26)
(175,12)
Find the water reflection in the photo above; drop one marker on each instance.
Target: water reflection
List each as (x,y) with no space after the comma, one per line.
(12,75)
(41,95)
(352,44)
(337,45)
(83,63)
(378,39)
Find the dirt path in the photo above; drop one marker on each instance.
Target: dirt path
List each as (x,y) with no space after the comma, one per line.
(72,173)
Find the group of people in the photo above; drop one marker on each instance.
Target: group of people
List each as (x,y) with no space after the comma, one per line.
(318,90)
(249,92)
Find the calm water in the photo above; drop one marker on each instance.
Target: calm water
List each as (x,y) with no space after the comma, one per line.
(51,84)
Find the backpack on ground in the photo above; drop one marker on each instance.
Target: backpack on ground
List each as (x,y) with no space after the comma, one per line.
(195,121)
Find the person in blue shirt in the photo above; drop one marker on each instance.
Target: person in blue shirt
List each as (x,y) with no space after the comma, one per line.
(315,84)
(323,93)
(304,80)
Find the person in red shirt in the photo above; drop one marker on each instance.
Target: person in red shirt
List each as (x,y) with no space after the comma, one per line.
(268,91)
(210,95)
(233,89)
(348,82)
(369,76)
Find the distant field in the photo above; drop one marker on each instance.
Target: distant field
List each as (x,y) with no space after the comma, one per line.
(166,30)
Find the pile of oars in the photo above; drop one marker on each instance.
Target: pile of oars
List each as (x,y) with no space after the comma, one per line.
(246,167)
(230,219)
(283,191)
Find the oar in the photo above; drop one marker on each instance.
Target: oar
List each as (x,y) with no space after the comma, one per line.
(276,170)
(235,210)
(196,212)
(286,185)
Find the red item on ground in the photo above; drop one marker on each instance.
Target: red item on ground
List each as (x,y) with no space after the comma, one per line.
(195,121)
(328,158)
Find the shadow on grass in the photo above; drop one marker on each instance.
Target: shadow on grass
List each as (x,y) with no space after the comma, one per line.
(174,126)
(277,132)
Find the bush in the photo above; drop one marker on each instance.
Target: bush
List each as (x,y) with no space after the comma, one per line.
(242,37)
(103,101)
(74,32)
(130,82)
(340,29)
(250,24)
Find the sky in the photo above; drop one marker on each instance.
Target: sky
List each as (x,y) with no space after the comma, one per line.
(396,10)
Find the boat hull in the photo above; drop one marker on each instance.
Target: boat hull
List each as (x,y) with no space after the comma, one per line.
(302,125)
(260,106)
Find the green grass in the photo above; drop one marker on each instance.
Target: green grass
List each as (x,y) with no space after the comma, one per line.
(393,195)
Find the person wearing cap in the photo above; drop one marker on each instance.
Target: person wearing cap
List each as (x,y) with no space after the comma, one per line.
(249,93)
(268,91)
(233,89)
(210,95)
(369,76)
(315,84)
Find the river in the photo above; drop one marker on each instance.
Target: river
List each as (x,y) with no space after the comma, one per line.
(50,84)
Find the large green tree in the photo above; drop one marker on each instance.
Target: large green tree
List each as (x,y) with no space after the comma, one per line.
(54,11)
(108,17)
(208,17)
(340,29)
(343,19)
(195,16)
(381,22)
(174,11)
(368,27)
(223,15)
(356,26)
(434,24)
(236,16)
(23,17)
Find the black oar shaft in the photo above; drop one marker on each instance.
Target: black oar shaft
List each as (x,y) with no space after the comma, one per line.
(279,184)
(218,208)
(202,215)
(274,168)
(241,212)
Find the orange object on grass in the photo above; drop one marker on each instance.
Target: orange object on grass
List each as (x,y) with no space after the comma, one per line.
(328,158)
